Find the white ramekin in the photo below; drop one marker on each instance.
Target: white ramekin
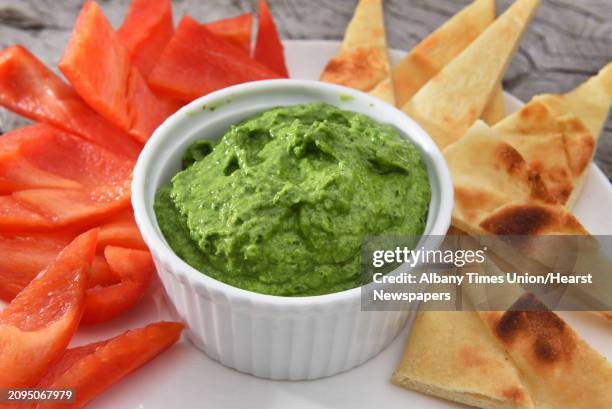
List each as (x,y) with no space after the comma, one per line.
(272,337)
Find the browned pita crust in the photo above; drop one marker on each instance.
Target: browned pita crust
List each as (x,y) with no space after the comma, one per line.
(589,103)
(497,192)
(557,134)
(362,61)
(361,68)
(487,174)
(529,219)
(561,369)
(553,142)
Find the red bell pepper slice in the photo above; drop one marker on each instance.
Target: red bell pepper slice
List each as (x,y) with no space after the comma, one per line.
(121,231)
(120,273)
(23,255)
(30,89)
(83,183)
(99,68)
(16,215)
(197,62)
(268,47)
(235,30)
(16,173)
(118,279)
(38,324)
(88,166)
(146,31)
(91,369)
(134,270)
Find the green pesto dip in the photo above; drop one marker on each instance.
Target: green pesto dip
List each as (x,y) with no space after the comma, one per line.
(281,203)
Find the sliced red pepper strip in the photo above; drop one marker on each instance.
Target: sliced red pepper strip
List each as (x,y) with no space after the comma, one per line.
(268,47)
(121,231)
(63,180)
(235,30)
(38,324)
(30,89)
(15,216)
(95,169)
(23,255)
(91,369)
(99,68)
(18,174)
(63,207)
(197,62)
(134,270)
(118,279)
(146,31)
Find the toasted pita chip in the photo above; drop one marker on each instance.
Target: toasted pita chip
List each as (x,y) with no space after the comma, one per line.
(579,144)
(439,48)
(543,138)
(497,192)
(591,101)
(450,354)
(451,101)
(560,369)
(552,118)
(362,61)
(488,173)
(557,134)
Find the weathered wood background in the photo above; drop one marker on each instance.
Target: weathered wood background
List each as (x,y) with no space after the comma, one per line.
(568,41)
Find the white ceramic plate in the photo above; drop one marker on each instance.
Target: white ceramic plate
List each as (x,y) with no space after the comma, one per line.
(185,378)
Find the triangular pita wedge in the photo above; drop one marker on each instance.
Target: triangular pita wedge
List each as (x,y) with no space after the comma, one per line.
(450,354)
(561,370)
(557,134)
(439,48)
(428,57)
(591,101)
(488,173)
(542,135)
(363,60)
(451,101)
(496,192)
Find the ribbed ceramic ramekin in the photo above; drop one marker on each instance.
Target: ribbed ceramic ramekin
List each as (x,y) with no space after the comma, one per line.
(272,337)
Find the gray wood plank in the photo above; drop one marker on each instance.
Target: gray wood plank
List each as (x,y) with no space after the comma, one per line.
(567,42)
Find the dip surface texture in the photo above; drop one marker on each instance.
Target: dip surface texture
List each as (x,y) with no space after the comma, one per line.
(282,202)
